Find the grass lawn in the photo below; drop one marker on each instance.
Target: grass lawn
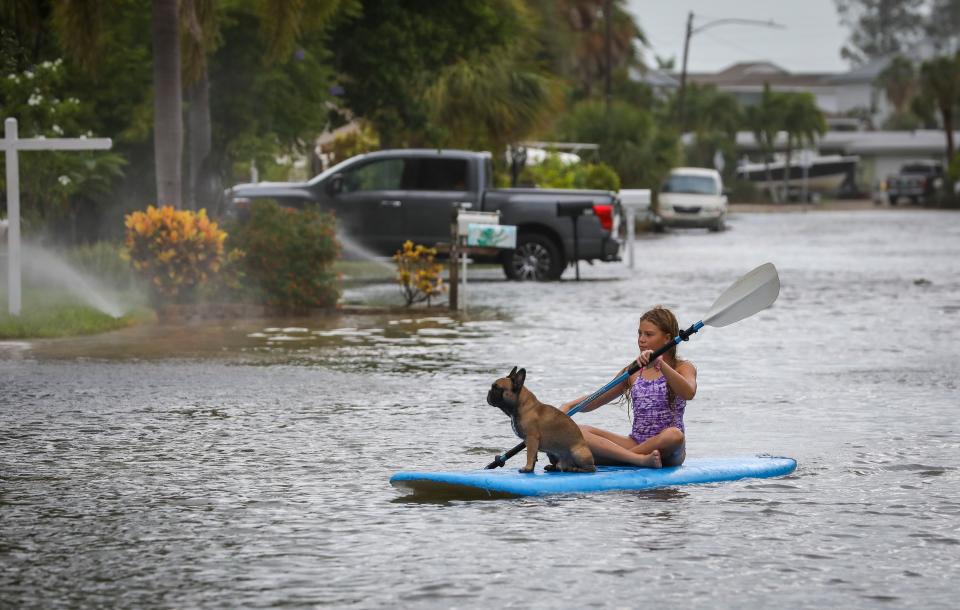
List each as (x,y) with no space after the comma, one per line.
(386,271)
(365,271)
(46,314)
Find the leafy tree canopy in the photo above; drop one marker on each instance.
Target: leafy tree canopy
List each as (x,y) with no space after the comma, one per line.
(638,148)
(880,27)
(388,56)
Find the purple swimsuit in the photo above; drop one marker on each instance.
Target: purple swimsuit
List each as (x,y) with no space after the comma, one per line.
(651,412)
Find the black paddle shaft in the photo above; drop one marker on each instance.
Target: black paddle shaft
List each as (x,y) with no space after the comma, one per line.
(501,460)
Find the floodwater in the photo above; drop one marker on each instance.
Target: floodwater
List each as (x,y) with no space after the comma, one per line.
(247,465)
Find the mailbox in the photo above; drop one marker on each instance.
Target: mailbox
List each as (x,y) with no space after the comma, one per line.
(574,210)
(636,204)
(465,219)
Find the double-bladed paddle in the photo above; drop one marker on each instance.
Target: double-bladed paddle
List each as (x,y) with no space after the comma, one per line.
(750,294)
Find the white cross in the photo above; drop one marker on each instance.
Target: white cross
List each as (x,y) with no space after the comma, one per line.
(11,144)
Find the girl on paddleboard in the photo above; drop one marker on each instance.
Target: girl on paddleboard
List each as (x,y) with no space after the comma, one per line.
(657,395)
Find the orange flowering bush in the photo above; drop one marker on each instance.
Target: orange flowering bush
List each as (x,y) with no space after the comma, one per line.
(418,273)
(175,250)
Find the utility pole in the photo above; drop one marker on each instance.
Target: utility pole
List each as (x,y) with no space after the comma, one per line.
(683,71)
(686,50)
(608,51)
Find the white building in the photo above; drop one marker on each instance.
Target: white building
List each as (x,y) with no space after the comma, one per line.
(838,95)
(851,101)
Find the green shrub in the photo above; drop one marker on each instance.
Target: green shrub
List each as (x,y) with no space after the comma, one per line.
(949,195)
(639,147)
(554,173)
(596,176)
(744,191)
(289,254)
(41,98)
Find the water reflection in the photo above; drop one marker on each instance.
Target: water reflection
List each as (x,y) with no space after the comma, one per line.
(397,344)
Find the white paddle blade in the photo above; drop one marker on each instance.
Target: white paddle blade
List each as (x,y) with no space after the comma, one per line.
(753,292)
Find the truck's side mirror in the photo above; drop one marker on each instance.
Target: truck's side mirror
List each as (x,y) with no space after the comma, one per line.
(335,185)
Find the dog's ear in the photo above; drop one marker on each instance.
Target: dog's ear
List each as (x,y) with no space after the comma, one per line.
(512,373)
(518,379)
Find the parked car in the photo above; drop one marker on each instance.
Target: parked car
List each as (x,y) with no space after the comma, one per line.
(692,197)
(384,198)
(918,181)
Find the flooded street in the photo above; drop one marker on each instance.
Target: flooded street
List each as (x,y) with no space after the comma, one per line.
(247,464)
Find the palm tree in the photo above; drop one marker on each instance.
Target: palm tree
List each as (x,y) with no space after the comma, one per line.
(199,20)
(940,82)
(167,102)
(899,82)
(587,44)
(714,118)
(803,122)
(79,24)
(489,101)
(765,120)
(281,24)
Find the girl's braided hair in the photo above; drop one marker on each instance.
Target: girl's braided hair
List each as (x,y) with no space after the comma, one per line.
(662,318)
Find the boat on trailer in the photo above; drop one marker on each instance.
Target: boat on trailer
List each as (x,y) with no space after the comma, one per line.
(823,174)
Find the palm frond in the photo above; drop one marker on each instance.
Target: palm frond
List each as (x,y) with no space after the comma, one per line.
(79,26)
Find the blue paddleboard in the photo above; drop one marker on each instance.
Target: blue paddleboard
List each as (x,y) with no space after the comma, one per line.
(509,482)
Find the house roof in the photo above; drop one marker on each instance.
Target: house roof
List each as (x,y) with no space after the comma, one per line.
(756,74)
(654,78)
(921,141)
(867,73)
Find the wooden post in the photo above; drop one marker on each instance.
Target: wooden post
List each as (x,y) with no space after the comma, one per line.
(454,256)
(11,136)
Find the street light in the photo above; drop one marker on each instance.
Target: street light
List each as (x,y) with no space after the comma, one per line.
(686,47)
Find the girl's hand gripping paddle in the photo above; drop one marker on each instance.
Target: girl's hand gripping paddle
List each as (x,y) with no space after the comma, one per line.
(752,293)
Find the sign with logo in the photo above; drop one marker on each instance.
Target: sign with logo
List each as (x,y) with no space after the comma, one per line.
(492,236)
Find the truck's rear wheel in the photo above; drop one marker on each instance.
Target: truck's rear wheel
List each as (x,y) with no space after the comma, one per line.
(536,258)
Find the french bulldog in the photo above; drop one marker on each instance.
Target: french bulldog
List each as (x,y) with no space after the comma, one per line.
(541,426)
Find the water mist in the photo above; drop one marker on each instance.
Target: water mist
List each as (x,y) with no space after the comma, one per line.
(41,267)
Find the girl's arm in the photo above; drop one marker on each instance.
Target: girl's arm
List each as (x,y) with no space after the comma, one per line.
(608,396)
(683,379)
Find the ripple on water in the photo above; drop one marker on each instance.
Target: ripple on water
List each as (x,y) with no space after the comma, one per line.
(229,465)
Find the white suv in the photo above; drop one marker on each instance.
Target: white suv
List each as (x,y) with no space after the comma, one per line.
(692,197)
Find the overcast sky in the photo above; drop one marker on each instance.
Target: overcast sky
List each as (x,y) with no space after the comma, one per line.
(810,41)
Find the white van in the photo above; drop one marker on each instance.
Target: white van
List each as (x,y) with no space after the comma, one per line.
(692,197)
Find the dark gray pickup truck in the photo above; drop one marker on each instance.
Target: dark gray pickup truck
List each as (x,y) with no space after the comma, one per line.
(384,198)
(918,182)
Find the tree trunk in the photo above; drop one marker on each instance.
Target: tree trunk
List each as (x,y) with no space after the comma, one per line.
(198,139)
(167,104)
(771,190)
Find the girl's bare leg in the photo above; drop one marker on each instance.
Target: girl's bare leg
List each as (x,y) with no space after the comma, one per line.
(668,443)
(610,448)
